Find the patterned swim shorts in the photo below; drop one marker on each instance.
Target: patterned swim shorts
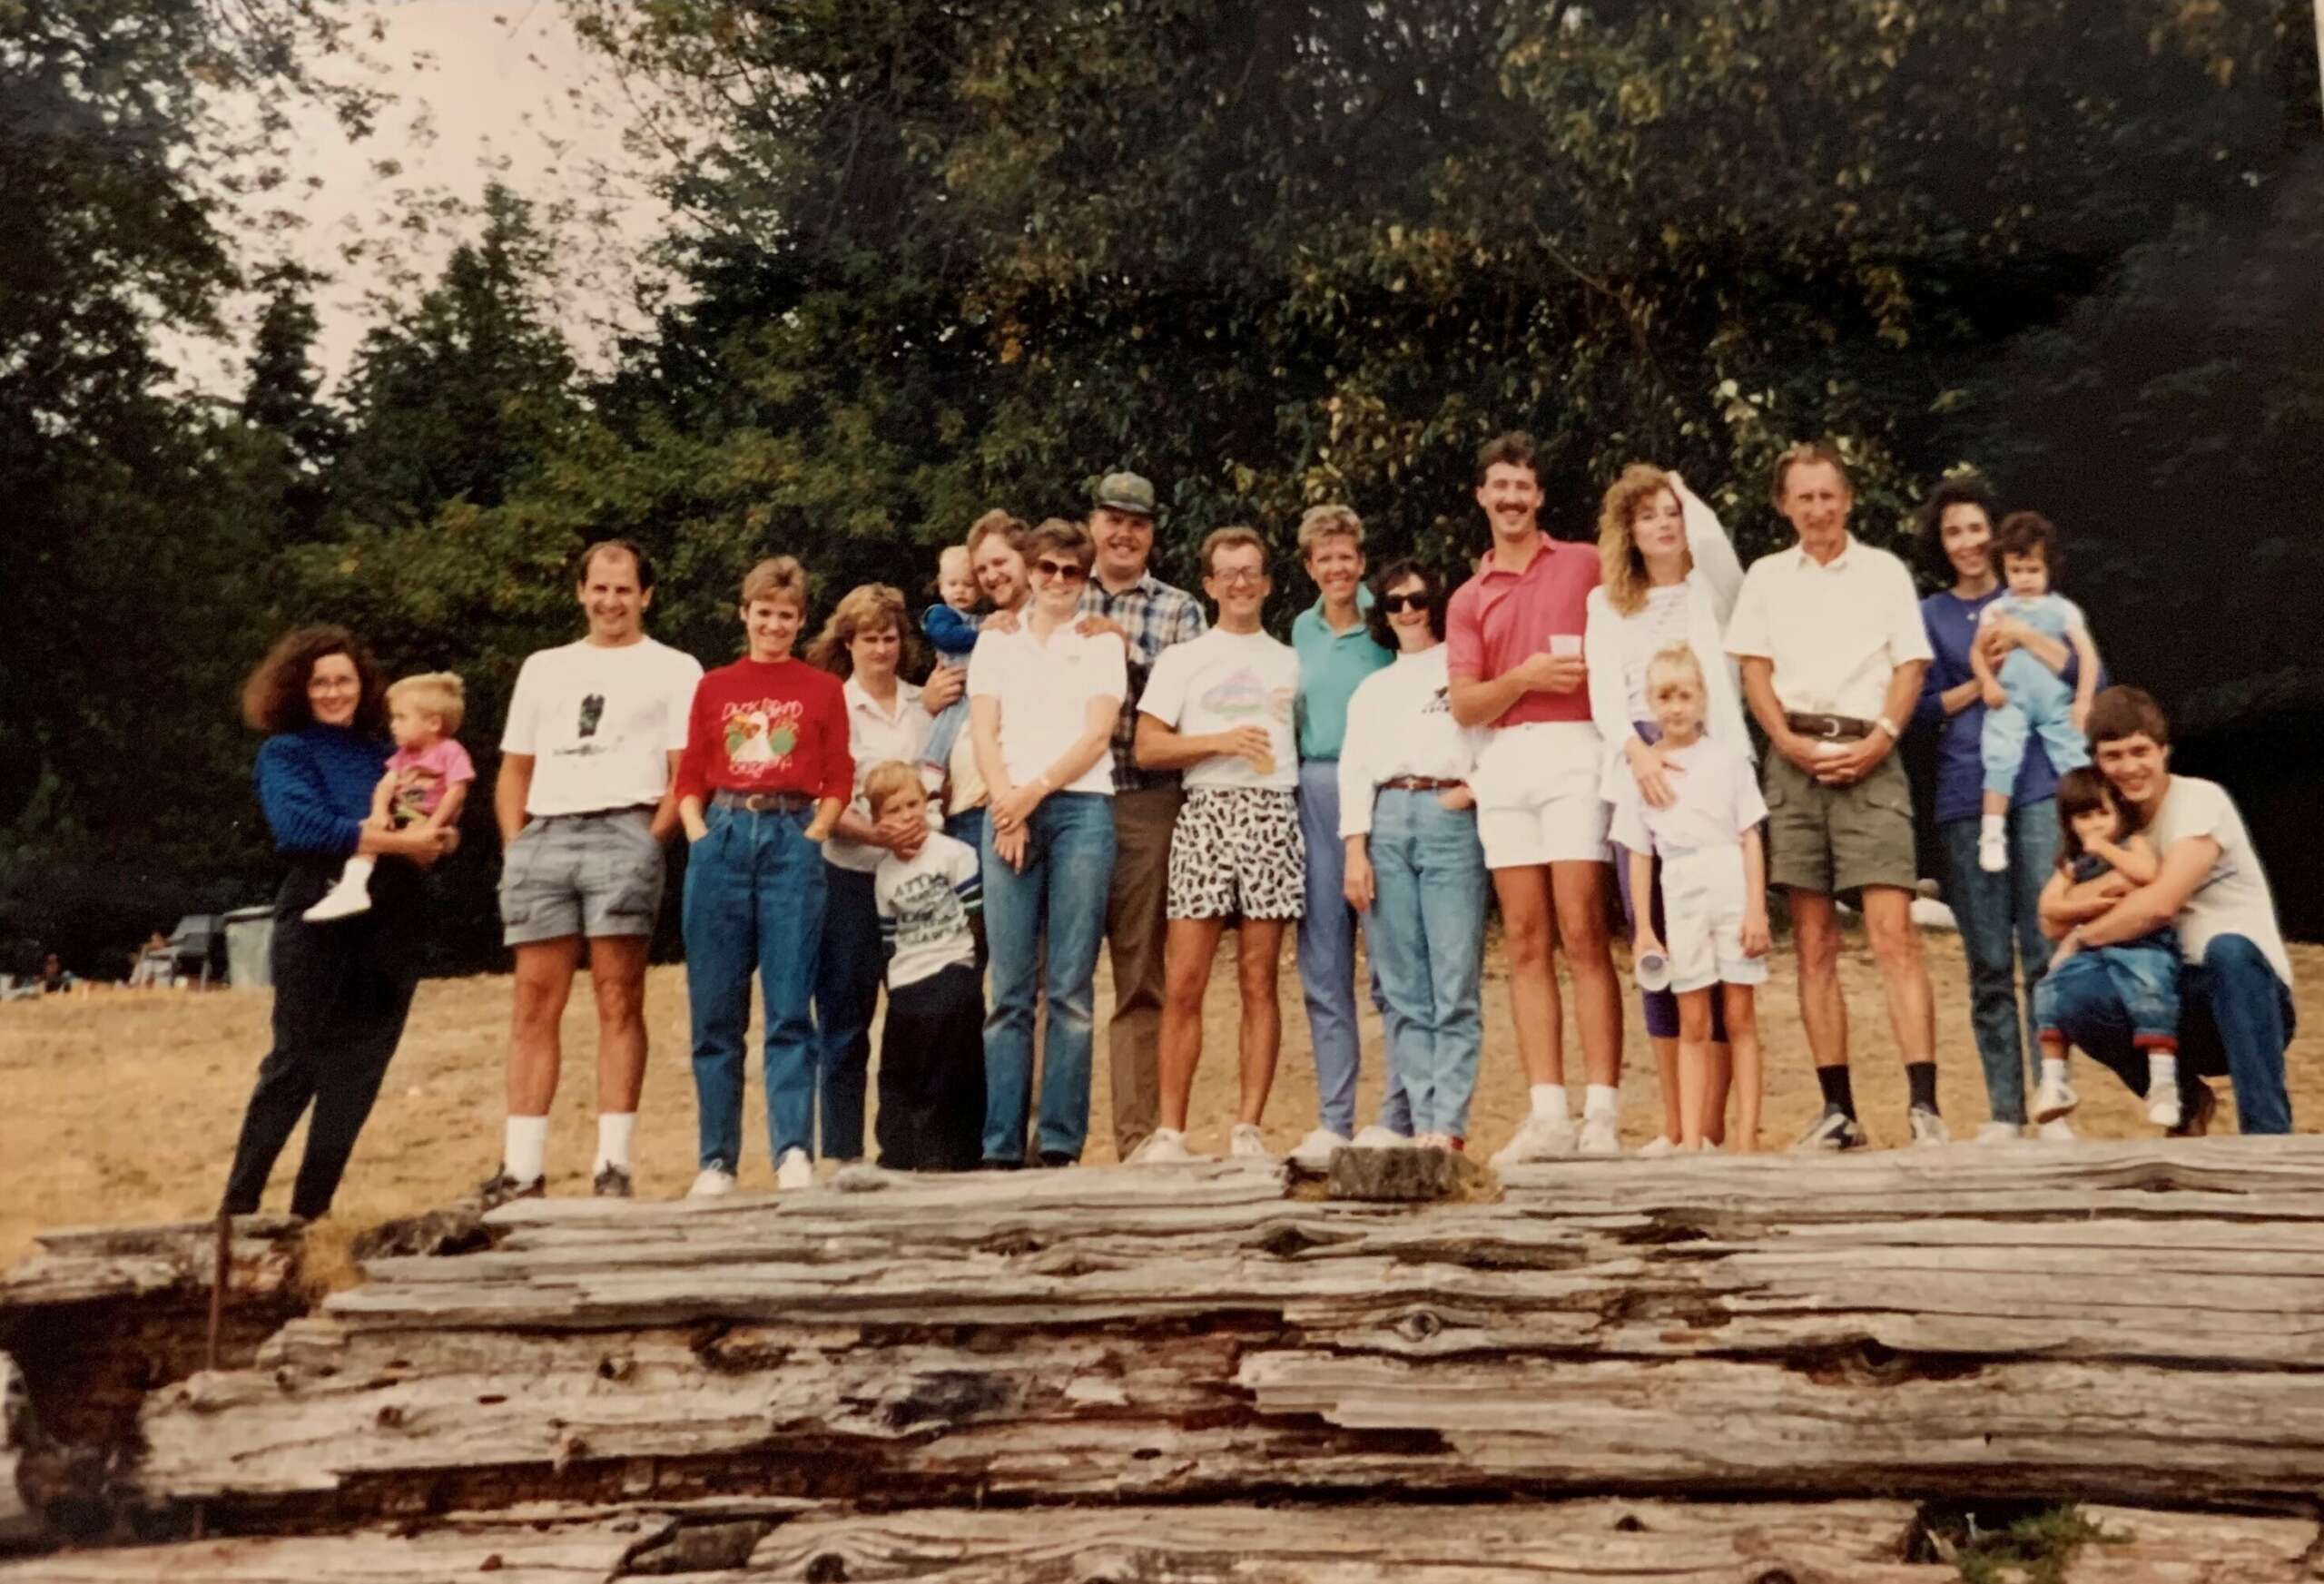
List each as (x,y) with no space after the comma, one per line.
(1236,853)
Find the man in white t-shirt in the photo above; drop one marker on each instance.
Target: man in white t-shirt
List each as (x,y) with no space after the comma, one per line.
(2235,1000)
(585,800)
(1218,708)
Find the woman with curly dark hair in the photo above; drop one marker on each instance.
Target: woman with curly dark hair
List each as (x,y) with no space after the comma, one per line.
(341,988)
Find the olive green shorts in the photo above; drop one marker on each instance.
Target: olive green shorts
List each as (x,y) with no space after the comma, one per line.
(1834,839)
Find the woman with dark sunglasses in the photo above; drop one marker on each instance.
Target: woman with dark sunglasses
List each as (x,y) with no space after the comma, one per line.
(1416,869)
(1043,698)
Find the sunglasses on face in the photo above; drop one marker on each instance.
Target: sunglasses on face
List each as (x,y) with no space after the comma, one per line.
(1396,604)
(1062,571)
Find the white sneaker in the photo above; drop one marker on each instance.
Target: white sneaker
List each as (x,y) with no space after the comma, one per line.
(1163,1147)
(1928,1128)
(1315,1151)
(2053,1099)
(1997,1133)
(715,1183)
(1992,853)
(1657,1147)
(341,902)
(1599,1136)
(1247,1143)
(1378,1137)
(1538,1137)
(2162,1106)
(796,1171)
(2057,1130)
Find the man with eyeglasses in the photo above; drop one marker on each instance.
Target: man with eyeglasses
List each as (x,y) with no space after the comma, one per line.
(1150,616)
(1219,710)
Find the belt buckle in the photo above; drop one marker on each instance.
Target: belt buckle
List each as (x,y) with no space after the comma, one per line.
(1831,733)
(757,803)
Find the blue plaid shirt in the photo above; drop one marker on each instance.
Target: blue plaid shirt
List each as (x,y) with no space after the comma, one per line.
(1154,616)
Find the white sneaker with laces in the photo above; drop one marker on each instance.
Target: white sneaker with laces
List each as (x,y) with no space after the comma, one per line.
(1378,1137)
(1538,1137)
(1928,1128)
(2057,1130)
(715,1183)
(2163,1108)
(1247,1143)
(2053,1099)
(796,1171)
(1992,853)
(341,902)
(1997,1133)
(1315,1151)
(1657,1147)
(1599,1136)
(1163,1147)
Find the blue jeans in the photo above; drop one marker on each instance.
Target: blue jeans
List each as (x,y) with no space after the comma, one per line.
(2235,1018)
(2000,916)
(754,901)
(1427,933)
(1327,961)
(1060,892)
(967,827)
(847,973)
(2144,974)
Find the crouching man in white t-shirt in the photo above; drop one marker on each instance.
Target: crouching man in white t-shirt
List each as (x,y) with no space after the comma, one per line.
(2235,1003)
(1219,708)
(585,799)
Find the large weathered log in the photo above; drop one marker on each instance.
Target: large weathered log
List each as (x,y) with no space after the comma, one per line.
(579,1553)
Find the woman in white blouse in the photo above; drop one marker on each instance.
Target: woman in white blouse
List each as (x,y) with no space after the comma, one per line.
(1669,575)
(1414,868)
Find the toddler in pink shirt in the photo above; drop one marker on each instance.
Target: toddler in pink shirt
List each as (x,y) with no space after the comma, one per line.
(426,782)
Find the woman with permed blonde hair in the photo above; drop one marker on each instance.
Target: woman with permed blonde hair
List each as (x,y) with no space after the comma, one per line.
(1668,574)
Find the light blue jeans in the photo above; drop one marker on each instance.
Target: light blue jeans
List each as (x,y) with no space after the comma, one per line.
(1427,934)
(2000,916)
(754,902)
(1061,891)
(1327,961)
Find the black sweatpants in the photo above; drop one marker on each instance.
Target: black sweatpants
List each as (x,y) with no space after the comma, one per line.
(932,1074)
(341,992)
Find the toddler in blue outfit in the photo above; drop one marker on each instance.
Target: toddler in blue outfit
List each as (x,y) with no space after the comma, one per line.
(2027,699)
(951,626)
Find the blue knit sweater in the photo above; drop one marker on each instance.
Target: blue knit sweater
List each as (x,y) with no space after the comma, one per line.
(315,785)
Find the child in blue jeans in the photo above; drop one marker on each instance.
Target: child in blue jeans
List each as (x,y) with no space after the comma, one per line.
(2026,699)
(2094,843)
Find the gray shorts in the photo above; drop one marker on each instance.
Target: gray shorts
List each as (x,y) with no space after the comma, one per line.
(581,874)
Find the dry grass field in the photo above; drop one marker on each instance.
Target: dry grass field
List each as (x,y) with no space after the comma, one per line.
(122,1107)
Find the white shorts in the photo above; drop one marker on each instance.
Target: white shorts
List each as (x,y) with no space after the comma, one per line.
(1537,795)
(1702,916)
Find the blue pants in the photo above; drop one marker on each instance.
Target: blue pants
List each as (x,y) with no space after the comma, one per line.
(754,901)
(2000,916)
(2235,1018)
(2144,977)
(944,734)
(1327,961)
(847,993)
(2041,705)
(1427,933)
(1069,870)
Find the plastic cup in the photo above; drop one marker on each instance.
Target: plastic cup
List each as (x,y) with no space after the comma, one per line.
(1565,645)
(1653,971)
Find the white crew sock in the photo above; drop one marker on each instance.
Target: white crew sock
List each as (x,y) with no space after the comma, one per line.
(2053,1068)
(1993,827)
(2161,1072)
(613,1139)
(1549,1100)
(521,1157)
(356,875)
(1601,1100)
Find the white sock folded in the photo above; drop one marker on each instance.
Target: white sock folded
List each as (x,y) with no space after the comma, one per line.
(2161,1072)
(614,1129)
(527,1147)
(1549,1100)
(2054,1069)
(1993,827)
(1601,1100)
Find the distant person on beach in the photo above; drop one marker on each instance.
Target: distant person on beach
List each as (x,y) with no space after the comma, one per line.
(586,796)
(426,783)
(341,990)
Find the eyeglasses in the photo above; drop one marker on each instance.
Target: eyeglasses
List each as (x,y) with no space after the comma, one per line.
(1240,576)
(1062,571)
(1396,604)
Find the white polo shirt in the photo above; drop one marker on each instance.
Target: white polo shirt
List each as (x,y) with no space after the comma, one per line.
(1045,689)
(1837,631)
(874,736)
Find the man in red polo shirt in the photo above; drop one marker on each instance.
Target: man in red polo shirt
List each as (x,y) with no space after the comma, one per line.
(1513,651)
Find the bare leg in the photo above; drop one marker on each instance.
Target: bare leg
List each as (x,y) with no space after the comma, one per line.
(1666,1072)
(1816,933)
(1903,973)
(1721,1074)
(1186,953)
(1527,937)
(1743,1040)
(617,975)
(543,981)
(1580,891)
(1257,956)
(1694,1065)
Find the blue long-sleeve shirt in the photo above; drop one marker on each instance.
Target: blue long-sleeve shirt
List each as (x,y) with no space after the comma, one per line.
(1952,623)
(315,787)
(950,632)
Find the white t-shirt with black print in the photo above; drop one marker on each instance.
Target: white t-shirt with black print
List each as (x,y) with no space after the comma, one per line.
(600,722)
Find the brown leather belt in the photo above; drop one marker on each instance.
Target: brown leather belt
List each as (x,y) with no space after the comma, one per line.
(1830,728)
(761,802)
(1418,783)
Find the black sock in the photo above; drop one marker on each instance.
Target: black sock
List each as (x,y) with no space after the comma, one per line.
(1837,1091)
(1921,1076)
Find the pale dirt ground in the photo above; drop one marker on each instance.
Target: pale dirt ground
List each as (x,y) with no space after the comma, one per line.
(122,1107)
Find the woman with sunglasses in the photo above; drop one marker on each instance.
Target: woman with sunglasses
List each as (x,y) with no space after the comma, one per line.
(1416,869)
(1043,698)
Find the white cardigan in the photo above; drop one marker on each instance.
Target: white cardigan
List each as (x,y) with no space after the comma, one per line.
(1610,638)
